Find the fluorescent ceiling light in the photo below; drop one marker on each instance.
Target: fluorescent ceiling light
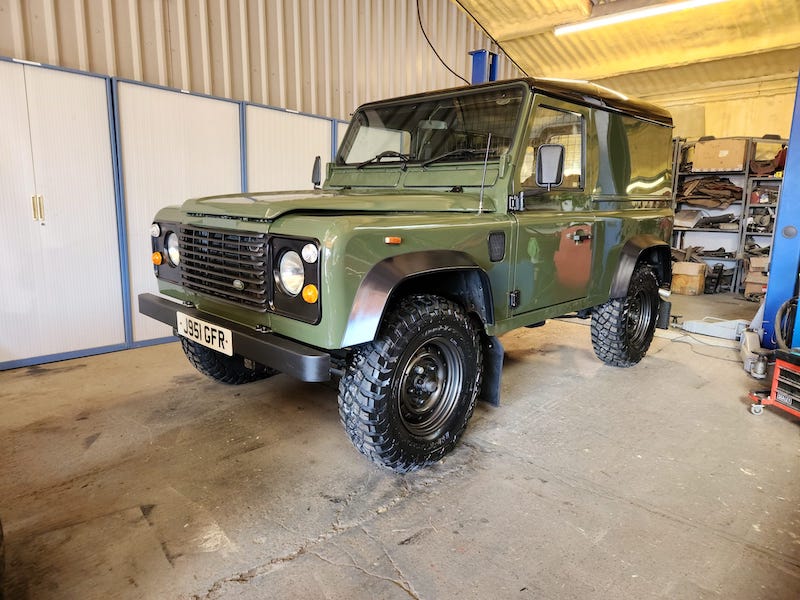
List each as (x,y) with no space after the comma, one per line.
(630,15)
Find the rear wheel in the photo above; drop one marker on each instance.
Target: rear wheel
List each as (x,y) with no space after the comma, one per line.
(233,370)
(406,398)
(623,328)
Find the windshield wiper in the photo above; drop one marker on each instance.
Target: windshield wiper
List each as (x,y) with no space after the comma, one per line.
(404,158)
(457,152)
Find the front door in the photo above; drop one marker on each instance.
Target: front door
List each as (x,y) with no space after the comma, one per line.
(556,231)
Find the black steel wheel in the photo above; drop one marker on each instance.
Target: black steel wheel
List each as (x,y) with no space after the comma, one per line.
(623,328)
(226,369)
(406,398)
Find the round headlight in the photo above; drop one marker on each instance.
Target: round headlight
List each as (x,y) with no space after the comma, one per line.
(310,253)
(173,252)
(291,274)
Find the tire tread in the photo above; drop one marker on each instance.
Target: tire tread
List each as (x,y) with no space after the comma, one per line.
(363,387)
(609,335)
(225,369)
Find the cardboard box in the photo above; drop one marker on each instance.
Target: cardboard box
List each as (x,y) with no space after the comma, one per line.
(758,263)
(756,277)
(727,154)
(688,278)
(754,288)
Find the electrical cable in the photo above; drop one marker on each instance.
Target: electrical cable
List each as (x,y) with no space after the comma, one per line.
(422,29)
(494,41)
(681,340)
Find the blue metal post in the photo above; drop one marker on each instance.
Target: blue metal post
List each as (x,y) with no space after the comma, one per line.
(484,66)
(785,257)
(492,66)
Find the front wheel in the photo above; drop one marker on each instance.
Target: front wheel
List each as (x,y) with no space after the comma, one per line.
(623,328)
(232,370)
(406,398)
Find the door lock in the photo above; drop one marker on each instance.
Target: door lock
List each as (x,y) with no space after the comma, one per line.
(580,236)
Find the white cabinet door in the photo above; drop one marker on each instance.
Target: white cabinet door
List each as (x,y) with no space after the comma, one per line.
(60,267)
(173,146)
(20,249)
(73,168)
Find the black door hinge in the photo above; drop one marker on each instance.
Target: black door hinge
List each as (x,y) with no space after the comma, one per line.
(516,201)
(514,298)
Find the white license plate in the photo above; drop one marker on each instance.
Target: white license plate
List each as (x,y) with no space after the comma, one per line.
(206,334)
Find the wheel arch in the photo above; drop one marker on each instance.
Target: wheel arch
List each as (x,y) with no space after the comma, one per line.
(648,249)
(449,273)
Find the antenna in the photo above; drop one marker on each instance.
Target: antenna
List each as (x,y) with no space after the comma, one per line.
(483,181)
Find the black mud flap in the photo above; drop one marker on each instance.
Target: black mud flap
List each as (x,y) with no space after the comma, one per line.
(664,309)
(492,370)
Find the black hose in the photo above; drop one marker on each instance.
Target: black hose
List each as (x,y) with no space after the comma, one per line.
(780,333)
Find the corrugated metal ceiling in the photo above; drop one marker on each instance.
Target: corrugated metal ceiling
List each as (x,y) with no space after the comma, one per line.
(730,46)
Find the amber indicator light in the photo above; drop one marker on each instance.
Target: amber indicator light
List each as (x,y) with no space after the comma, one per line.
(394,240)
(158,258)
(310,293)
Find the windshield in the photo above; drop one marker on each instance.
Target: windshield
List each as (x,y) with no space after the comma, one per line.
(446,129)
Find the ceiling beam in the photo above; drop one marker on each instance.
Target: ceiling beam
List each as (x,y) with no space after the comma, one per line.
(730,90)
(785,39)
(578,11)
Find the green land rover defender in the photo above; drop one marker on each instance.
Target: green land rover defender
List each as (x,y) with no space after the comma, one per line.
(447,219)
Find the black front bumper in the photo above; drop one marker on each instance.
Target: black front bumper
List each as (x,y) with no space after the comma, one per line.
(284,355)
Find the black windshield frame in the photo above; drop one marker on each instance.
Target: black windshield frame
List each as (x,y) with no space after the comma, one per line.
(429,126)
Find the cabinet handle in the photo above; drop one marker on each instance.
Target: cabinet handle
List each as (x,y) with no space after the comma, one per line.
(41,207)
(35,208)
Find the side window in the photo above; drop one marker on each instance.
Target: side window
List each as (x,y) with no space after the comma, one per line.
(552,126)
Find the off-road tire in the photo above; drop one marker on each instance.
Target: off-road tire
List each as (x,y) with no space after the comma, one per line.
(623,328)
(406,398)
(222,368)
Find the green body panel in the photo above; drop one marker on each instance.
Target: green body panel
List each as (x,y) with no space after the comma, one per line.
(269,206)
(562,251)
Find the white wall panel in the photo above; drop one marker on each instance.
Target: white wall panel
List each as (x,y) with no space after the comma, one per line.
(281,147)
(173,146)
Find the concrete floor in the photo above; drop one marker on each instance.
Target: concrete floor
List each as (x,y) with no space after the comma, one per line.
(129,475)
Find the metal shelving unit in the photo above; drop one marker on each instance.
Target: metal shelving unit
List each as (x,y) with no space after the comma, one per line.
(752,210)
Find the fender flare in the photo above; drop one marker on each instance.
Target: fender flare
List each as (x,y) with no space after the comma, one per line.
(646,246)
(383,278)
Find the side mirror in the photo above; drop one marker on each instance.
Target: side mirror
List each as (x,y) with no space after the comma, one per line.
(550,165)
(316,173)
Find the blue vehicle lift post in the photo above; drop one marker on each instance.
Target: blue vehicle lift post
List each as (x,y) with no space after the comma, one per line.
(785,262)
(484,66)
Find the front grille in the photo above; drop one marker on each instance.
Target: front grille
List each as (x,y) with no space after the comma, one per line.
(230,266)
(788,389)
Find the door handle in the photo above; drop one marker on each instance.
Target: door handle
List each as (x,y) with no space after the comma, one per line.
(35,205)
(41,207)
(580,236)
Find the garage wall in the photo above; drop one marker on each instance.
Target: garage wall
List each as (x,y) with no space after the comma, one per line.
(745,116)
(317,56)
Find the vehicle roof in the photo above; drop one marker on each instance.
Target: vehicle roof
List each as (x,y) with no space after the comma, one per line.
(580,92)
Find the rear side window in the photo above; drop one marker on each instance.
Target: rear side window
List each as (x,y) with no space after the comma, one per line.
(635,157)
(553,126)
(649,147)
